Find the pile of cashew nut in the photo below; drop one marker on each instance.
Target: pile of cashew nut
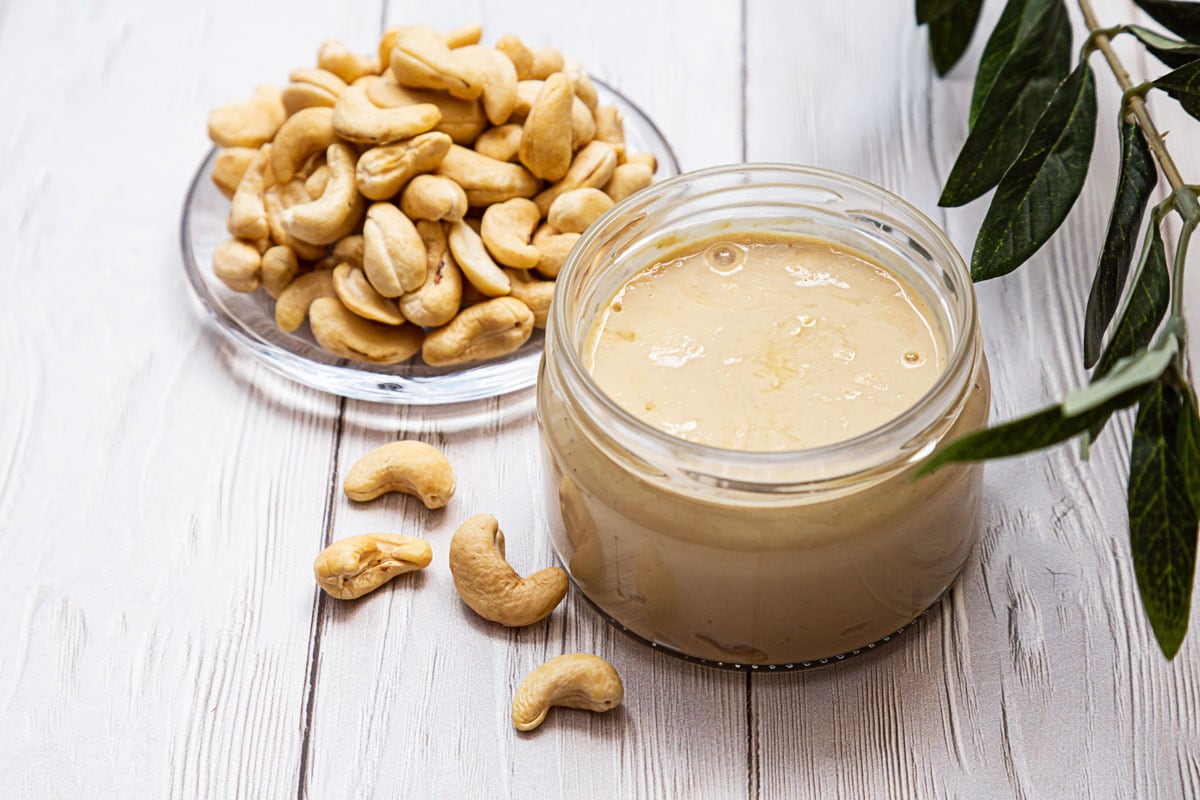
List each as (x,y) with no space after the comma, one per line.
(357,565)
(421,200)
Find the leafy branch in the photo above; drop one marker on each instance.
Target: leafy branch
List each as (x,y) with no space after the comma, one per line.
(1032,125)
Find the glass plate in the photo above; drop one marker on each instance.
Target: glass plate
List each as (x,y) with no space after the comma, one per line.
(248,320)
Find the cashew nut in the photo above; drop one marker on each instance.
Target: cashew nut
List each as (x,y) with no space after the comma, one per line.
(344,333)
(237,263)
(358,565)
(433,197)
(591,168)
(501,143)
(585,90)
(357,119)
(463,36)
(383,170)
(583,126)
(439,298)
(410,467)
(316,183)
(546,138)
(279,267)
(554,246)
(643,158)
(386,43)
(533,293)
(393,253)
(422,60)
(349,250)
(294,302)
(230,165)
(486,180)
(574,680)
(311,88)
(520,55)
(472,257)
(334,57)
(249,123)
(357,294)
(630,177)
(574,211)
(490,329)
(610,127)
(462,120)
(280,197)
(490,586)
(308,131)
(247,213)
(506,230)
(499,80)
(335,213)
(546,62)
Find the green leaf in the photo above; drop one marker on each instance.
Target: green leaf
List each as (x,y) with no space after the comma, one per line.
(1184,85)
(1024,435)
(950,33)
(1129,373)
(1189,450)
(1011,109)
(1162,514)
(1038,191)
(1134,185)
(1146,308)
(1181,18)
(1171,52)
(1014,24)
(932,9)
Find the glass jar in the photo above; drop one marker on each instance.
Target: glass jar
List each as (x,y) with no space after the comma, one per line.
(737,558)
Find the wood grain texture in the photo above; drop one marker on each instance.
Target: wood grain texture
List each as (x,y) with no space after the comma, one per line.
(162,498)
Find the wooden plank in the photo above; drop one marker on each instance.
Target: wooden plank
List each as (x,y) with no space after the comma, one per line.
(413,690)
(160,501)
(1037,676)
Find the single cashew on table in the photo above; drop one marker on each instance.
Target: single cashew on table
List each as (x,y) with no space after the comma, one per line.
(574,680)
(410,467)
(420,183)
(491,587)
(352,567)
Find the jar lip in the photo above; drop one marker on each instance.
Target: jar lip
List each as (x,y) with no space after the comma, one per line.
(903,425)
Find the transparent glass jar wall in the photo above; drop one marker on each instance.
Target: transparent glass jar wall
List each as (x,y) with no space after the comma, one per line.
(738,557)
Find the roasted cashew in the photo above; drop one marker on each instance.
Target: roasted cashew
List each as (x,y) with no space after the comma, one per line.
(279,267)
(583,126)
(316,183)
(463,36)
(334,57)
(439,298)
(486,180)
(610,127)
(533,293)
(630,177)
(280,197)
(462,120)
(574,680)
(472,257)
(335,213)
(356,118)
(501,143)
(237,264)
(308,131)
(386,43)
(344,333)
(311,88)
(229,167)
(642,158)
(553,245)
(499,80)
(433,197)
(422,60)
(247,212)
(506,230)
(249,123)
(591,168)
(574,211)
(490,329)
(393,253)
(358,295)
(409,466)
(382,171)
(546,138)
(294,302)
(358,565)
(585,90)
(546,62)
(520,55)
(490,586)
(349,250)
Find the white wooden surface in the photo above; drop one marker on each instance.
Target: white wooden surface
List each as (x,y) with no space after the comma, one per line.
(162,498)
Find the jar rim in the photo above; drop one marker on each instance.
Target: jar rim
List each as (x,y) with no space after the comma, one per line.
(880,441)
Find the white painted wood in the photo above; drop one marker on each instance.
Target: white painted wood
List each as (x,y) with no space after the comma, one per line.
(161,498)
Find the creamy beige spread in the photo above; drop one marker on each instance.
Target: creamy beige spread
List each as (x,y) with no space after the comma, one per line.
(765,342)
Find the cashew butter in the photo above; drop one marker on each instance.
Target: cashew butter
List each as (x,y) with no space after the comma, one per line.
(744,367)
